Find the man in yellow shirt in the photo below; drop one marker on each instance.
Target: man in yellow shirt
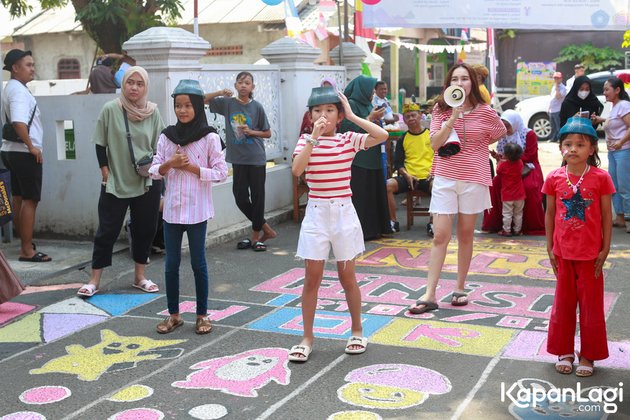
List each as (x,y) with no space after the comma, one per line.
(413,160)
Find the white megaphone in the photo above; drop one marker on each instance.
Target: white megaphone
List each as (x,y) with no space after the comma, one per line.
(454,96)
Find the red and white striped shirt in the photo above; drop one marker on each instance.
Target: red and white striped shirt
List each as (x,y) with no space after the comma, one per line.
(328,169)
(188,198)
(476,131)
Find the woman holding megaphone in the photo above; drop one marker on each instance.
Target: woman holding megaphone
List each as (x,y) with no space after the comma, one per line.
(462,128)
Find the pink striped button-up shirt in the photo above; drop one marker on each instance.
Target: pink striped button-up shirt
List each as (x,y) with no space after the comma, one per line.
(188,198)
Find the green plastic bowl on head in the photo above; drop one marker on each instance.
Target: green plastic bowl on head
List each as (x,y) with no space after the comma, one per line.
(323,95)
(188,87)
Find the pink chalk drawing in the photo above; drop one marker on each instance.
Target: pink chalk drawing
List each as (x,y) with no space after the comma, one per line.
(440,334)
(324,324)
(138,413)
(514,322)
(190,307)
(387,310)
(23,415)
(468,317)
(45,395)
(11,310)
(484,297)
(240,374)
(532,345)
(392,386)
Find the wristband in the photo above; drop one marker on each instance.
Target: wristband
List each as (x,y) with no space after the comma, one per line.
(311,140)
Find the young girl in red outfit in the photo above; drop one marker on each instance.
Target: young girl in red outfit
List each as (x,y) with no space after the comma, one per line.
(578,223)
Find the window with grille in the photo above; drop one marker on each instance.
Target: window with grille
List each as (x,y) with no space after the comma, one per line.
(227,50)
(68,68)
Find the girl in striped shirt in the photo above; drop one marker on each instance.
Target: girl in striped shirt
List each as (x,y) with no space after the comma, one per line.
(461,181)
(330,218)
(190,156)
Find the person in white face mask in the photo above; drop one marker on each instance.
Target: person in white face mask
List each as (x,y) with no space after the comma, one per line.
(580,98)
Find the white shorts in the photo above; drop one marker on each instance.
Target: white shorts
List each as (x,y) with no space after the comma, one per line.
(330,222)
(449,196)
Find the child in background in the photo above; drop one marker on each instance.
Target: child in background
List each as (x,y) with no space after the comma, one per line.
(246,126)
(330,218)
(512,189)
(578,222)
(189,155)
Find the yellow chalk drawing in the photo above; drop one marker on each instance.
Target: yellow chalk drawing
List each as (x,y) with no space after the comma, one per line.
(444,336)
(114,352)
(491,257)
(26,330)
(354,415)
(132,393)
(380,396)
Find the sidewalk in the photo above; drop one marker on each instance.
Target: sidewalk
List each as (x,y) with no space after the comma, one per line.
(101,357)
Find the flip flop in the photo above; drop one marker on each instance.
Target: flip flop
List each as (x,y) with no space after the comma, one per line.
(90,290)
(37,257)
(426,306)
(244,244)
(259,247)
(145,286)
(299,353)
(168,325)
(455,300)
(356,341)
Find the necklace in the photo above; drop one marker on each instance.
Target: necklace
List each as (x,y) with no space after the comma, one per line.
(577,185)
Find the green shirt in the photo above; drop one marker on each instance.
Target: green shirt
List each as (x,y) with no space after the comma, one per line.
(110,132)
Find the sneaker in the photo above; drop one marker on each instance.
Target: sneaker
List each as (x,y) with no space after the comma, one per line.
(505,233)
(430,230)
(395,226)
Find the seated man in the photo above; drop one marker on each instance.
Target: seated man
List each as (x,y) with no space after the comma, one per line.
(413,159)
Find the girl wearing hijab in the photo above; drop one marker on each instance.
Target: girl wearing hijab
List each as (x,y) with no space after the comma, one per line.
(190,156)
(579,99)
(122,187)
(369,194)
(533,212)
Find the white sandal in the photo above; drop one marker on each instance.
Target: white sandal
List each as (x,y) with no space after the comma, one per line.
(356,341)
(90,290)
(145,285)
(563,362)
(299,353)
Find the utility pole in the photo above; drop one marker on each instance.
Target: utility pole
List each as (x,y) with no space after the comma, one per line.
(340,33)
(346,31)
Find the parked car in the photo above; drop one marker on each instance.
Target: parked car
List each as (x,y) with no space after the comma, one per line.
(534,110)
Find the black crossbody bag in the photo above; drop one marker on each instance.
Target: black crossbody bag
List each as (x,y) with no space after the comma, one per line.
(141,166)
(8,131)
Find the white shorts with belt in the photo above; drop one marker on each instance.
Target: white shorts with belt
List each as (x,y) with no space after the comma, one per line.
(450,196)
(330,222)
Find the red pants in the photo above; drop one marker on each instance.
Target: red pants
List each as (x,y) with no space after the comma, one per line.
(577,284)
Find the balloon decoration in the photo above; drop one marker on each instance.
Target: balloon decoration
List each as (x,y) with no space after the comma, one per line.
(272,2)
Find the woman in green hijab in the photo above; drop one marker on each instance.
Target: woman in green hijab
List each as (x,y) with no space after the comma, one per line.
(369,194)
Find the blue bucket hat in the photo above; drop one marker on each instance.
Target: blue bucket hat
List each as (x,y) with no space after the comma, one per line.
(579,125)
(323,95)
(188,87)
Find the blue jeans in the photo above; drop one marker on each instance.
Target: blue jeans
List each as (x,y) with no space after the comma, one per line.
(173,234)
(554,118)
(619,170)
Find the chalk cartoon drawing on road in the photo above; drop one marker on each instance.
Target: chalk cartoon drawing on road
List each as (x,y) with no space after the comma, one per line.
(240,374)
(392,386)
(114,353)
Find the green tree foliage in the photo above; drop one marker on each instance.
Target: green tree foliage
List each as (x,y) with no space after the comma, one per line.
(593,58)
(110,22)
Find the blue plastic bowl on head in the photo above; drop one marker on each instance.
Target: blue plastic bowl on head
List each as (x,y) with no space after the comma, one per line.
(188,87)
